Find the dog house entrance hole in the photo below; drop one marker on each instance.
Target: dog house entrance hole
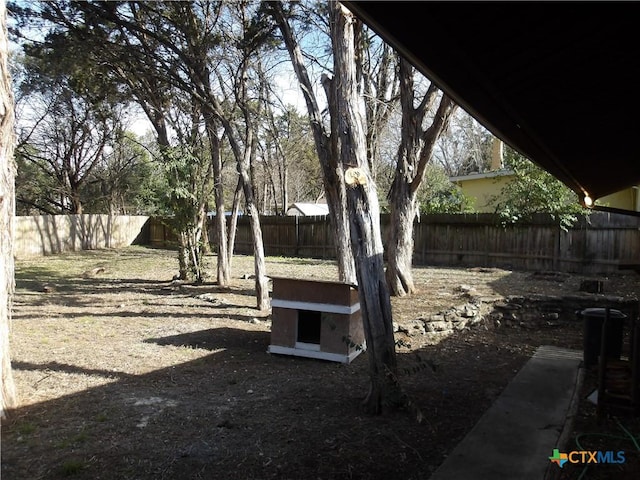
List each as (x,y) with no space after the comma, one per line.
(309,327)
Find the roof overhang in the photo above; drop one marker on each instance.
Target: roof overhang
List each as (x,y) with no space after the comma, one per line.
(483,175)
(557,81)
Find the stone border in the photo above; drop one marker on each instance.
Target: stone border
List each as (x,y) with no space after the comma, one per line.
(513,311)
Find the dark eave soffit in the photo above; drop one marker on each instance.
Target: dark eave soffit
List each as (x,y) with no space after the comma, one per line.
(558,81)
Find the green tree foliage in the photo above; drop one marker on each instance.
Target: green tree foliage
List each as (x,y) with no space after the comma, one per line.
(438,194)
(34,187)
(126,181)
(70,117)
(532,191)
(183,207)
(66,140)
(145,53)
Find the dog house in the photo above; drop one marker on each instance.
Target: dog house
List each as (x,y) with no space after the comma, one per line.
(316,319)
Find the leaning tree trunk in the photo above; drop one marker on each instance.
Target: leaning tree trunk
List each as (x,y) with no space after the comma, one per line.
(262,288)
(7,212)
(332,172)
(244,163)
(364,215)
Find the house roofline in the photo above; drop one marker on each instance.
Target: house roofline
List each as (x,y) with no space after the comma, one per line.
(475,176)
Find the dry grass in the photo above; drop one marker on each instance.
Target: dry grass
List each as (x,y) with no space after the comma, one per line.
(123,374)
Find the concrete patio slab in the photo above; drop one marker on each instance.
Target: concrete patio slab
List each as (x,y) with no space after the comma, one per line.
(517,435)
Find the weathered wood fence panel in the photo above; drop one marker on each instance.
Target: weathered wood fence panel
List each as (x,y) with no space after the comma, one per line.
(160,235)
(480,240)
(600,243)
(286,236)
(37,235)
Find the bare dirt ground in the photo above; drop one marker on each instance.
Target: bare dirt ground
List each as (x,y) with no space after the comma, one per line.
(123,374)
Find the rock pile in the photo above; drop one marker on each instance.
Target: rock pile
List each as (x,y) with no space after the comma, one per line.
(513,311)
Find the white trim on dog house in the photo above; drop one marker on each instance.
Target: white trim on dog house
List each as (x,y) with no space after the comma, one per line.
(316,319)
(316,307)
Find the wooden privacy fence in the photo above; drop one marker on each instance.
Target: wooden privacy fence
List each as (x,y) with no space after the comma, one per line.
(37,235)
(600,243)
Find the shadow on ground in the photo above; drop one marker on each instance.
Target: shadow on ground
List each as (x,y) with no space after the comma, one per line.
(241,413)
(238,412)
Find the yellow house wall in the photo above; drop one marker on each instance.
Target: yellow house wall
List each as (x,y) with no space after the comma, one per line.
(480,190)
(626,199)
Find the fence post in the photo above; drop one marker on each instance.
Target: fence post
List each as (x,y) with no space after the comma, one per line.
(297,236)
(556,251)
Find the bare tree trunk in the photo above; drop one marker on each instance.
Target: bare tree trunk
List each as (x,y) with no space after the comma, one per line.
(381,87)
(336,192)
(76,203)
(206,241)
(244,155)
(233,221)
(223,274)
(262,290)
(364,215)
(284,180)
(400,246)
(183,257)
(201,240)
(414,153)
(7,212)
(332,171)
(261,283)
